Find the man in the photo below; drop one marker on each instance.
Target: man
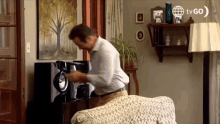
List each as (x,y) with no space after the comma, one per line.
(106,74)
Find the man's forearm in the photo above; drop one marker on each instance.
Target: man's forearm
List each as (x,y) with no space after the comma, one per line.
(84,78)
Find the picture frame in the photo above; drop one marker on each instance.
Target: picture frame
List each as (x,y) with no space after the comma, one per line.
(158,15)
(140,35)
(52,40)
(139,17)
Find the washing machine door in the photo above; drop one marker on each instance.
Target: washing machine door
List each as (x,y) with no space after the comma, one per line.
(60,82)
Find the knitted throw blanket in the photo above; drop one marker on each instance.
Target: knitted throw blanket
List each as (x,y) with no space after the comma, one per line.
(131,109)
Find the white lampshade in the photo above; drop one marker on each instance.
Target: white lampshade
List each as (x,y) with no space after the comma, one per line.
(204,37)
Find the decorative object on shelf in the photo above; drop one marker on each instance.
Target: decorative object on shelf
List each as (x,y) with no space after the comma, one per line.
(190,21)
(139,17)
(205,37)
(169,15)
(178,13)
(127,52)
(178,20)
(53,29)
(178,42)
(167,40)
(140,35)
(157,15)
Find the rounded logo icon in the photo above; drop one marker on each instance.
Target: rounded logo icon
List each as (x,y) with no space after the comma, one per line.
(178,11)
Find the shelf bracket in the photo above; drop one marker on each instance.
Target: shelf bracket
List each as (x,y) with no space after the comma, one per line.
(159,52)
(152,40)
(190,55)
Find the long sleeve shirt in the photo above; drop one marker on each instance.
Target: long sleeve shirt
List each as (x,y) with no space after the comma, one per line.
(106,74)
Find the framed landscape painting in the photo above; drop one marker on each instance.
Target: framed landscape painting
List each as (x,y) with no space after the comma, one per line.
(55,19)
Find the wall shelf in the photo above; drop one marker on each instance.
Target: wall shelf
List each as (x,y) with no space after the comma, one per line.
(158,43)
(172,46)
(168,25)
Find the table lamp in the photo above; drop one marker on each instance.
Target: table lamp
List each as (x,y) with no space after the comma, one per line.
(205,37)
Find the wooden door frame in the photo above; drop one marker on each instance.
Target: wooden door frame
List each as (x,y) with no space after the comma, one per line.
(97,16)
(21,104)
(86,21)
(94,16)
(102,19)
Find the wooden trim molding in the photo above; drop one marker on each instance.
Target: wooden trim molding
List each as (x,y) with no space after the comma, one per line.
(94,16)
(21,104)
(98,17)
(102,19)
(86,21)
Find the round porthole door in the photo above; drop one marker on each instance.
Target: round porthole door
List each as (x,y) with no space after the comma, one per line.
(60,82)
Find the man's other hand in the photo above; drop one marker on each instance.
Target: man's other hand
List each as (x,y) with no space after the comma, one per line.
(77,76)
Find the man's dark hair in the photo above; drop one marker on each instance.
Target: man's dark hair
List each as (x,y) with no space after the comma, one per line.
(82,31)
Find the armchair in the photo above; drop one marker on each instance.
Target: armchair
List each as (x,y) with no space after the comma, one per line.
(131,109)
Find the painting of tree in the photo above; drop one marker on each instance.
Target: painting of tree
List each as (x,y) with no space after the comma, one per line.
(55,20)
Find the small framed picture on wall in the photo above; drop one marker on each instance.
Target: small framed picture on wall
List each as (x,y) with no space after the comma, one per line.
(140,35)
(157,15)
(139,17)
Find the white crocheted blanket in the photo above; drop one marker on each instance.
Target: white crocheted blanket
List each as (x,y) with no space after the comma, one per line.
(130,109)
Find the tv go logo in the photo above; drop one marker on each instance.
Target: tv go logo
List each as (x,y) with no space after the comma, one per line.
(178,11)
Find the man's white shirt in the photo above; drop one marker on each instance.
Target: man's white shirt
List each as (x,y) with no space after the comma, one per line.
(106,73)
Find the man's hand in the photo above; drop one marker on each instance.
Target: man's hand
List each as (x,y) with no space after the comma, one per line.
(77,76)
